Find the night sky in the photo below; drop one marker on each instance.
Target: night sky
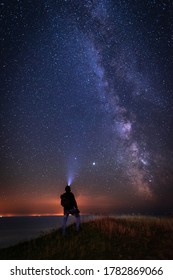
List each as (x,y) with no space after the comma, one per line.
(86,98)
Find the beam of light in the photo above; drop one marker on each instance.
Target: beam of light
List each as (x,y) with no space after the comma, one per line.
(71,174)
(72,169)
(69,180)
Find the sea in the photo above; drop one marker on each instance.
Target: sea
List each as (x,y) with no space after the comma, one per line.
(17,229)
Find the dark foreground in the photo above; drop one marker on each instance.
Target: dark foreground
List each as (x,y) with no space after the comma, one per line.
(124,238)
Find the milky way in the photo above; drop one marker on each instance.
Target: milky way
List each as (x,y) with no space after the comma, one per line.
(86,98)
(130,153)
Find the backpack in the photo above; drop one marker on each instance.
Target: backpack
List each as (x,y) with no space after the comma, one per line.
(65,201)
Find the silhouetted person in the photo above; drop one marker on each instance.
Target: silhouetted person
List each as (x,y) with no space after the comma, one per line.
(69,203)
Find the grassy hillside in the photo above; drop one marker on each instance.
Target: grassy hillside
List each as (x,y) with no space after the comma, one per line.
(105,238)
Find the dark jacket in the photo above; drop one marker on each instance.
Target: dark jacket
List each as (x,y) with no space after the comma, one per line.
(72,202)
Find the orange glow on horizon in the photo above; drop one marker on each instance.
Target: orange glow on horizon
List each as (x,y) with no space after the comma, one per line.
(50,206)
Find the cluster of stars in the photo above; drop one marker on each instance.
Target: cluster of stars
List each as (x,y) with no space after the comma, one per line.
(87,98)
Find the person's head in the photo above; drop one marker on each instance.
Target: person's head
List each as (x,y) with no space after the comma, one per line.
(67,189)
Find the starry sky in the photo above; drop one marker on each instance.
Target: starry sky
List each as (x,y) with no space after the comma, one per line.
(86,99)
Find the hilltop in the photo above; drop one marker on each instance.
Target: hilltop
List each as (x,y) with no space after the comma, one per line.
(122,238)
